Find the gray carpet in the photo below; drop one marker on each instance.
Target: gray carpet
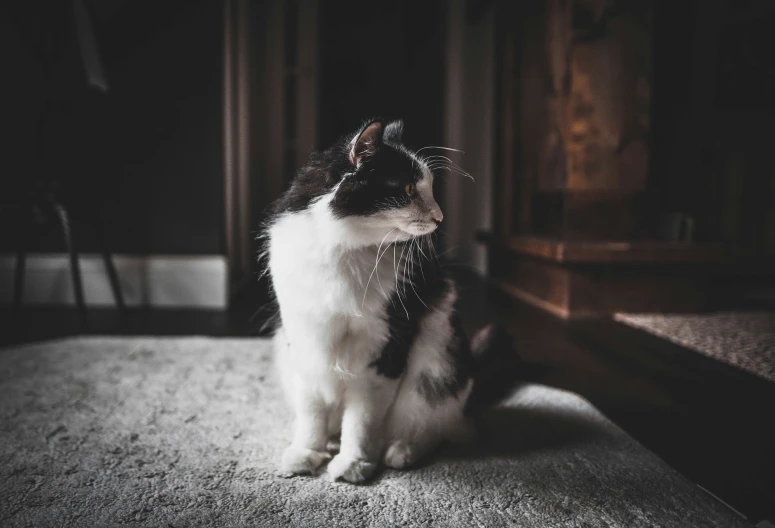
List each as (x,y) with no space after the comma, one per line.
(743,339)
(187,432)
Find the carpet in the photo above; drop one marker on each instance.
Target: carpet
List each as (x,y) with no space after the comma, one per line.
(743,339)
(178,432)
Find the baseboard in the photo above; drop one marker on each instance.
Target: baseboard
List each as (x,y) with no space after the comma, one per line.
(180,281)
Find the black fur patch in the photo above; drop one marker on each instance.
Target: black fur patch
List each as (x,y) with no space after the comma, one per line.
(461,361)
(403,328)
(319,177)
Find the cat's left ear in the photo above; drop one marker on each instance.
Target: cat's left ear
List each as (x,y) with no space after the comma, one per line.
(394,131)
(366,143)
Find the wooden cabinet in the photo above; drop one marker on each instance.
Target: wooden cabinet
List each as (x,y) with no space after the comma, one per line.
(584,225)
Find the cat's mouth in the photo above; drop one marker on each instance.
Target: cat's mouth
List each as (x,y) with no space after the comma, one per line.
(419,228)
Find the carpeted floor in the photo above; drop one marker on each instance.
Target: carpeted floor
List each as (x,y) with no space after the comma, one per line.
(187,432)
(743,339)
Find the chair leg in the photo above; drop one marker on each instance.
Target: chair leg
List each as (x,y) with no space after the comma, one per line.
(75,268)
(111,268)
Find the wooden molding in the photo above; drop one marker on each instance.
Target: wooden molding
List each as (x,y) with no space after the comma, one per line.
(596,280)
(647,252)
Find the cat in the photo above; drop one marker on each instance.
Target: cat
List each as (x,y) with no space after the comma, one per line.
(368,346)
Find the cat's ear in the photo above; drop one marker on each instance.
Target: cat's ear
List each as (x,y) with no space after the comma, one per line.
(365,144)
(394,131)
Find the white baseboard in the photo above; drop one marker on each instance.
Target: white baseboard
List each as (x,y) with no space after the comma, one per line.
(191,281)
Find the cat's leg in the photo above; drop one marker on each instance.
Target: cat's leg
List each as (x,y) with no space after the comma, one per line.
(304,390)
(417,424)
(406,451)
(334,429)
(366,402)
(401,454)
(307,451)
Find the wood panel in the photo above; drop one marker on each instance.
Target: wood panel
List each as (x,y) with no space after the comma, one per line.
(589,215)
(584,291)
(597,291)
(607,117)
(586,252)
(540,283)
(583,118)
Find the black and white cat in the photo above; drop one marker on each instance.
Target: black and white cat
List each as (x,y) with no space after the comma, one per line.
(369,348)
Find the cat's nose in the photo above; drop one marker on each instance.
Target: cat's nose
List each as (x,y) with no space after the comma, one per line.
(438,217)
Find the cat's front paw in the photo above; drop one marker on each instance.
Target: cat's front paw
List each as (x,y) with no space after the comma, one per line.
(352,470)
(301,461)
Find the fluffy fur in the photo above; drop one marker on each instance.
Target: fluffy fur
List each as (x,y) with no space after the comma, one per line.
(371,355)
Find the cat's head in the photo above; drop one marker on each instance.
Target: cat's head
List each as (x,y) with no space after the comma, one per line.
(388,186)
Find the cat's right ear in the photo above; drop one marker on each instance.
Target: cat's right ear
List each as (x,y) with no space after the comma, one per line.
(394,131)
(365,144)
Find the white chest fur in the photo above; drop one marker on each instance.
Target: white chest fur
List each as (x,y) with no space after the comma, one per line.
(332,296)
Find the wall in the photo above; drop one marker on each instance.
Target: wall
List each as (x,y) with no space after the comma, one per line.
(469,91)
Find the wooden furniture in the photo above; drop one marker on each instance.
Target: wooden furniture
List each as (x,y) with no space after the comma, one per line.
(584,226)
(592,279)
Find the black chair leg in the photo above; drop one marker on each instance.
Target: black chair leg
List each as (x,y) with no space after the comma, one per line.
(75,268)
(112,275)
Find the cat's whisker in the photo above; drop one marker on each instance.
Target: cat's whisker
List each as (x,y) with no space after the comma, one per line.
(442,148)
(403,279)
(439,157)
(462,172)
(458,171)
(411,283)
(406,263)
(433,248)
(390,298)
(411,256)
(436,164)
(415,255)
(419,246)
(440,164)
(398,292)
(441,161)
(376,264)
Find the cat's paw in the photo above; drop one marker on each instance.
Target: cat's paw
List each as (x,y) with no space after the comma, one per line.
(301,461)
(352,470)
(400,455)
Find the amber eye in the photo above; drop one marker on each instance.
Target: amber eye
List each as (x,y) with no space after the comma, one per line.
(410,189)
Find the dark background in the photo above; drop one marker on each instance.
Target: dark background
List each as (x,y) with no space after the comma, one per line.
(148,154)
(385,61)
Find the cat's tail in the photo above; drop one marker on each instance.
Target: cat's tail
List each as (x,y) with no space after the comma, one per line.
(498,368)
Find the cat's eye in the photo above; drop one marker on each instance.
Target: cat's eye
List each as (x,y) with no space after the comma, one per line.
(410,189)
